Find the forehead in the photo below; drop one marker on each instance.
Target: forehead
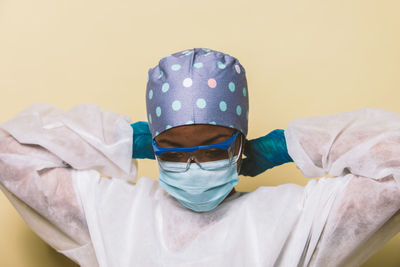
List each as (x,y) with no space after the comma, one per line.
(195,133)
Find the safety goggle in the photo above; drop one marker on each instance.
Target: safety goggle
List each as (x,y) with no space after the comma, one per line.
(168,158)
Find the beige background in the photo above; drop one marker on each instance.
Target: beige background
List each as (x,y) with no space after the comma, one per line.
(302,58)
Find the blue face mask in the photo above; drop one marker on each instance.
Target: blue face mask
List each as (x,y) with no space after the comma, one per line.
(198,189)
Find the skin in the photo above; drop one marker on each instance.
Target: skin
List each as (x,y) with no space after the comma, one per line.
(199,134)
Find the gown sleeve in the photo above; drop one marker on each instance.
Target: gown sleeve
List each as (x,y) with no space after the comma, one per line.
(362,149)
(41,151)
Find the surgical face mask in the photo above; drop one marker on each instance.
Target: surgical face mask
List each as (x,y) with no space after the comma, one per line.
(200,189)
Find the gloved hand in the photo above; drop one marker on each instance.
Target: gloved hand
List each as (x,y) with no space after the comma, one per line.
(265,152)
(142,147)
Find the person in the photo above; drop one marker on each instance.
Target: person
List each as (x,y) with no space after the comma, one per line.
(72,178)
(197,99)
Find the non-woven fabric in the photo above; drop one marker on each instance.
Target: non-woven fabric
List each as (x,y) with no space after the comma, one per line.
(101,221)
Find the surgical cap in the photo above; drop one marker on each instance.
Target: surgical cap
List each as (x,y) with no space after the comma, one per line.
(197,86)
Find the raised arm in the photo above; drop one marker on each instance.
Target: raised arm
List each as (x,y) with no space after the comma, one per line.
(42,150)
(39,186)
(362,149)
(362,142)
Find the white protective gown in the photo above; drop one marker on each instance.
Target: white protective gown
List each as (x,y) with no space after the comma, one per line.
(53,165)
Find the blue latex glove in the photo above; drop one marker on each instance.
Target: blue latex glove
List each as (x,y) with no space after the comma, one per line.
(142,147)
(265,153)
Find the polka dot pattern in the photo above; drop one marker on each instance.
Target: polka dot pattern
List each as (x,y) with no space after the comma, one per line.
(187,82)
(237,68)
(212,82)
(187,53)
(198,65)
(239,110)
(231,87)
(222,106)
(176,105)
(176,67)
(158,111)
(197,86)
(201,103)
(221,65)
(165,87)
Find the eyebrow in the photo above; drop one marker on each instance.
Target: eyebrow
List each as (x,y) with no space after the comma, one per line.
(205,142)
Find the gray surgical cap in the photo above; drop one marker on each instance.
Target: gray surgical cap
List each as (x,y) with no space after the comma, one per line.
(197,86)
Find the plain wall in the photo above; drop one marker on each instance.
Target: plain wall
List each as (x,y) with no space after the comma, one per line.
(302,58)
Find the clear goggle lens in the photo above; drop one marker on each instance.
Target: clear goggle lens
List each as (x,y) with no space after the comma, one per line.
(201,157)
